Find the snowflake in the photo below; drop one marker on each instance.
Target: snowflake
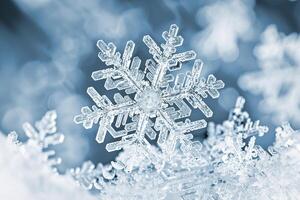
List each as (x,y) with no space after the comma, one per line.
(278,80)
(157,103)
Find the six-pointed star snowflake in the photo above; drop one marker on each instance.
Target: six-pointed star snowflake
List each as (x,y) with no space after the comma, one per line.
(158,94)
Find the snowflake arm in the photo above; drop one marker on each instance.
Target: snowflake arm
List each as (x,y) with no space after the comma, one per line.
(88,175)
(166,59)
(105,113)
(194,88)
(130,76)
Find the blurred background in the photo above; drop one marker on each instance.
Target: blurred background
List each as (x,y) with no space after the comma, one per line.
(48,52)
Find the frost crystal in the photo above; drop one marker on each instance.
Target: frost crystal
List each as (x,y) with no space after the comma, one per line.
(278,80)
(30,167)
(229,166)
(40,138)
(150,101)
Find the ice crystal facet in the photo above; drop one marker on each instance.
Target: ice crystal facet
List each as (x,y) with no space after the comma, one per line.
(278,80)
(149,101)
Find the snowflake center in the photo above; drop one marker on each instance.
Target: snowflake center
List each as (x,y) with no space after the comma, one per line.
(149,100)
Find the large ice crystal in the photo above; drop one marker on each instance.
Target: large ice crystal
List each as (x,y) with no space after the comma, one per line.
(30,167)
(229,166)
(150,101)
(278,80)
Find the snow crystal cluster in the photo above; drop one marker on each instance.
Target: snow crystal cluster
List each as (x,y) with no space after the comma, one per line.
(228,164)
(277,80)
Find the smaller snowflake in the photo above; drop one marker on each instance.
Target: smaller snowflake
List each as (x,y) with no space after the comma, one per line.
(40,139)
